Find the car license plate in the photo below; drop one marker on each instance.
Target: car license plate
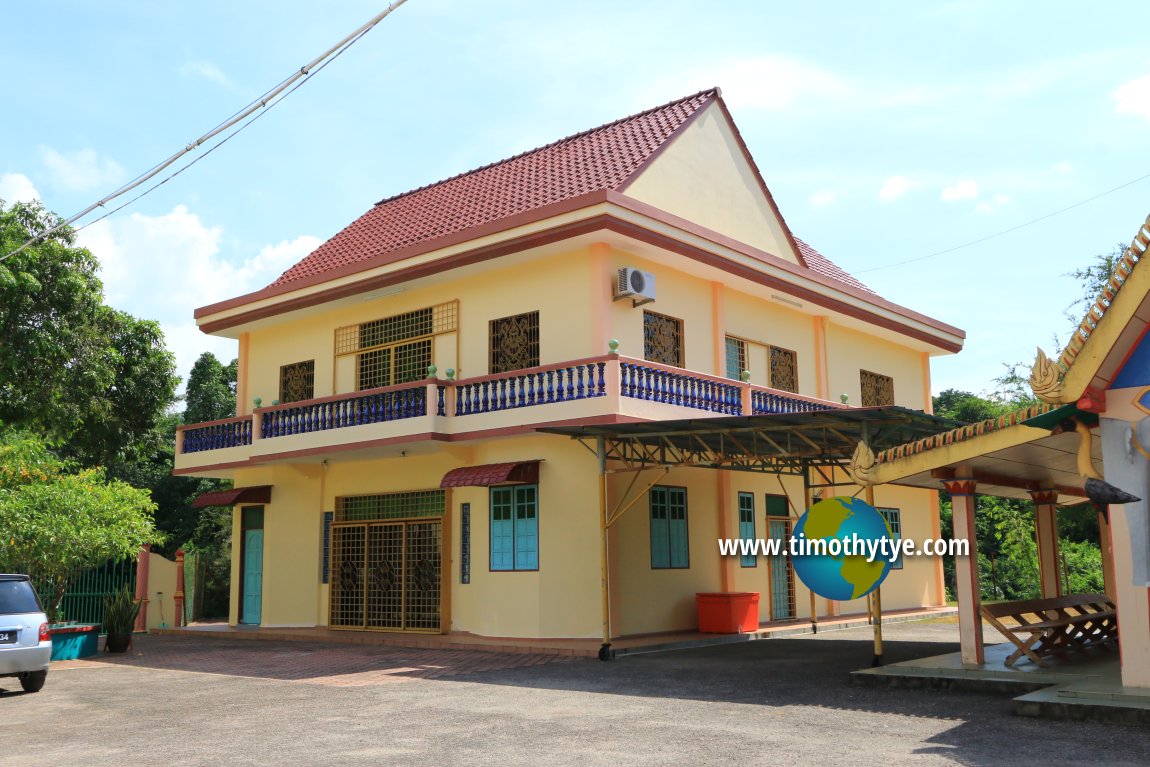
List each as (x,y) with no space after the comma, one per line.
(8,637)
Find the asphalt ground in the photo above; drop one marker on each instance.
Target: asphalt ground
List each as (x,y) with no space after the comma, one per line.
(787,701)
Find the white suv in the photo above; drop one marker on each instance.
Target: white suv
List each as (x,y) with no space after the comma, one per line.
(25,647)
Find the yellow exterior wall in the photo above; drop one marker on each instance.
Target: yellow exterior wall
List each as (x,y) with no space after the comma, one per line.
(849,351)
(704,177)
(544,286)
(774,324)
(657,600)
(161,592)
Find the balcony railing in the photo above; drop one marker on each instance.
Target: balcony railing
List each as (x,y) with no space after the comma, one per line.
(538,386)
(646,380)
(391,403)
(593,379)
(771,401)
(214,435)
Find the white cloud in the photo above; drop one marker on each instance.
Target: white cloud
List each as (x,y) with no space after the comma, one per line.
(994,203)
(164,267)
(16,187)
(207,71)
(1133,98)
(821,197)
(81,171)
(895,187)
(963,189)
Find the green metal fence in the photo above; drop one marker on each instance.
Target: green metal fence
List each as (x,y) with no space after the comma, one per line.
(84,600)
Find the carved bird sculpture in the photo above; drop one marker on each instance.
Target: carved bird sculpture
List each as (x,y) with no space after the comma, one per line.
(1045,379)
(1098,490)
(862,466)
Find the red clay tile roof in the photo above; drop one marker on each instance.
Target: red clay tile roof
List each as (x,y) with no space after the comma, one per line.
(600,158)
(827,268)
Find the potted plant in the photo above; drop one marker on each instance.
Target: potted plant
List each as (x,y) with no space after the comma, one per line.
(120,611)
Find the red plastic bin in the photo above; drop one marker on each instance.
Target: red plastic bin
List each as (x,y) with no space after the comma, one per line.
(728,612)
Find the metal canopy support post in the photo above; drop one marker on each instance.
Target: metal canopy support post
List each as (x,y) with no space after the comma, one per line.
(807,502)
(604,565)
(876,600)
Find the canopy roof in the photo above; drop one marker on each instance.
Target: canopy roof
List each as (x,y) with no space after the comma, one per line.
(785,443)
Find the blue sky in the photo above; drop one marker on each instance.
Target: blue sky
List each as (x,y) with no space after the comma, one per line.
(886,132)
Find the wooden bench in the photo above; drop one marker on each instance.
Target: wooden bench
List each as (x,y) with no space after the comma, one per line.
(1054,625)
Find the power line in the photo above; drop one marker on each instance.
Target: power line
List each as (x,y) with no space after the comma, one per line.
(269,99)
(1004,231)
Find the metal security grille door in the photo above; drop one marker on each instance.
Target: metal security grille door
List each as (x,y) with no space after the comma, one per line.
(386,575)
(782,578)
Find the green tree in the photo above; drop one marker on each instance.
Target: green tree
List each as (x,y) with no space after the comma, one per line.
(211,390)
(1092,280)
(57,521)
(92,380)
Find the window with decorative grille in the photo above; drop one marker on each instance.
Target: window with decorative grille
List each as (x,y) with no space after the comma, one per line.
(409,505)
(297,381)
(736,357)
(513,343)
(784,369)
(662,339)
(396,349)
(877,389)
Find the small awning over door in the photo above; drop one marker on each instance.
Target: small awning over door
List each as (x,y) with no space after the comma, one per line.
(254,494)
(524,472)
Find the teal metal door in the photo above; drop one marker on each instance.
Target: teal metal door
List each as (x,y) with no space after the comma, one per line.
(782,579)
(252,562)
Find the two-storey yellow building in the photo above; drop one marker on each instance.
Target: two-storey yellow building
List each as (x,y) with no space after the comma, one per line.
(387,466)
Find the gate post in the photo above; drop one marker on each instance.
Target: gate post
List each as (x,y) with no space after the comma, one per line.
(179,597)
(142,586)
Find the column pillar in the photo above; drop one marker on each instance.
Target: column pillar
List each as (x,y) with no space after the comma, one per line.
(1130,546)
(178,599)
(142,563)
(967,590)
(1046,534)
(1107,555)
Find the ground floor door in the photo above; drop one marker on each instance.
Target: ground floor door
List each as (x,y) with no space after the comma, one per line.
(252,565)
(782,575)
(386,575)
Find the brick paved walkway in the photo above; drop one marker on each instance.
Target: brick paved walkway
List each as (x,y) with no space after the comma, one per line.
(333,665)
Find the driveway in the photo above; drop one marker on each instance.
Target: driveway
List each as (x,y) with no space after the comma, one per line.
(778,701)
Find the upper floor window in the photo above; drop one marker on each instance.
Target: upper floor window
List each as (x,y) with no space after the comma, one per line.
(877,389)
(782,372)
(297,381)
(396,349)
(513,343)
(784,369)
(662,339)
(736,357)
(669,541)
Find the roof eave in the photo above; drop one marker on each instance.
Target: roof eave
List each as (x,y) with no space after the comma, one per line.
(618,213)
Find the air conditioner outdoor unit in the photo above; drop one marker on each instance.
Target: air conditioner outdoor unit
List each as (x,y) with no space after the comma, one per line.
(637,285)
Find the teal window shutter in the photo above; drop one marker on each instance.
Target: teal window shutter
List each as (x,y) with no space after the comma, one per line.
(747,526)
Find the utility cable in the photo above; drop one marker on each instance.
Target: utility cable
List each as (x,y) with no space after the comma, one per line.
(1004,231)
(268,99)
